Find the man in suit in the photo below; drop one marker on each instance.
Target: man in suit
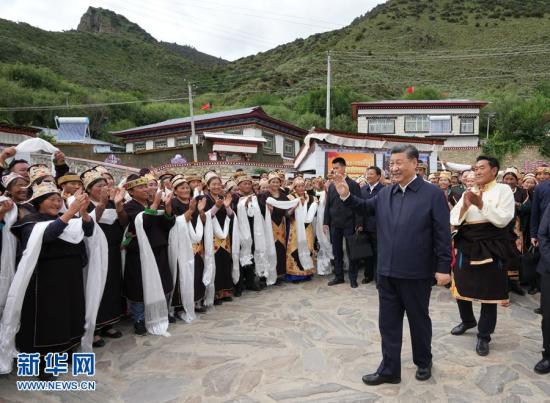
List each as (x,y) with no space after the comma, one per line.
(369,191)
(414,239)
(543,268)
(341,222)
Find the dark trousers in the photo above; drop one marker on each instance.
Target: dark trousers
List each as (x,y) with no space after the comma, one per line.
(370,262)
(337,237)
(545,306)
(397,296)
(487,318)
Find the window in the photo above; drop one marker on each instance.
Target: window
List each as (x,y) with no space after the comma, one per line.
(440,124)
(381,126)
(467,125)
(270,142)
(288,150)
(161,143)
(181,141)
(139,146)
(417,124)
(234,131)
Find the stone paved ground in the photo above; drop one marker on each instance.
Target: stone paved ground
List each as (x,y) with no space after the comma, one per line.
(309,343)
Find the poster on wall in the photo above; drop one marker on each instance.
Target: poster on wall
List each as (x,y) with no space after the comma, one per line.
(425,158)
(356,163)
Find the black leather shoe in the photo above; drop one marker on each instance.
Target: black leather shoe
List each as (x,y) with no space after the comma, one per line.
(538,311)
(423,374)
(98,343)
(335,281)
(533,291)
(171,319)
(366,280)
(461,328)
(238,292)
(200,309)
(482,347)
(377,379)
(516,288)
(353,284)
(139,328)
(543,366)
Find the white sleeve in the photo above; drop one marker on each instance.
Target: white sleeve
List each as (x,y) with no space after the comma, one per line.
(456,220)
(502,213)
(453,166)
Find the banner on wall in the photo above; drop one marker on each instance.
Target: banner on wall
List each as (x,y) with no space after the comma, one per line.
(356,163)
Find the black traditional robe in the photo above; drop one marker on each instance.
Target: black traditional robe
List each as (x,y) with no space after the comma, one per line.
(53,312)
(112,303)
(278,223)
(223,281)
(157,229)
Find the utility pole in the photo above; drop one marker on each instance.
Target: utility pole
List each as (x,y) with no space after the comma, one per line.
(489,116)
(328,90)
(193,135)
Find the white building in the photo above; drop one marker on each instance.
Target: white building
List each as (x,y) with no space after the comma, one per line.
(360,151)
(456,121)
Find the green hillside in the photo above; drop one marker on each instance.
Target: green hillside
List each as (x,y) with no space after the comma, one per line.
(495,50)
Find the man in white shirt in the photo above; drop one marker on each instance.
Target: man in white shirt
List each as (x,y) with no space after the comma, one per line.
(484,250)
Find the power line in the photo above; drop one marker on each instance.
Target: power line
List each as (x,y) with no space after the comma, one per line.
(85,106)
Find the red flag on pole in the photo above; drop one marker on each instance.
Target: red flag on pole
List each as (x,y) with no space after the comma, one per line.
(410,90)
(205,107)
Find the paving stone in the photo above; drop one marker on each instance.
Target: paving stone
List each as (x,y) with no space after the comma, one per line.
(493,379)
(308,343)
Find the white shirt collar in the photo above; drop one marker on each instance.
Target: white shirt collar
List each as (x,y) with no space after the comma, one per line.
(403,188)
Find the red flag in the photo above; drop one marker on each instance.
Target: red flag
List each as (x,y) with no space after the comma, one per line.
(410,90)
(205,107)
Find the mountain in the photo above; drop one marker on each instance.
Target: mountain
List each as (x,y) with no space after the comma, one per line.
(99,20)
(461,47)
(106,52)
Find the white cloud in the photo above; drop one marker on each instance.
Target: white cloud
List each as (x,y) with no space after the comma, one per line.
(225,28)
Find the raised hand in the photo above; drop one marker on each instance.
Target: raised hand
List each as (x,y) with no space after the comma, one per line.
(84,203)
(7,153)
(227,201)
(120,193)
(341,185)
(201,205)
(104,196)
(156,201)
(168,203)
(193,205)
(59,157)
(5,206)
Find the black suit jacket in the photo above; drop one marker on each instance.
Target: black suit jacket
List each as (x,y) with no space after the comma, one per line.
(415,241)
(336,214)
(369,222)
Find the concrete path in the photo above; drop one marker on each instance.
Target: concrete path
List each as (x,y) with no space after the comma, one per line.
(309,343)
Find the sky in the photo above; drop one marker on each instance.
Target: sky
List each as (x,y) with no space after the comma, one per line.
(223,28)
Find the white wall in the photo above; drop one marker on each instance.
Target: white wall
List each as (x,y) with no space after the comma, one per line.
(171,142)
(149,144)
(252,132)
(362,116)
(129,147)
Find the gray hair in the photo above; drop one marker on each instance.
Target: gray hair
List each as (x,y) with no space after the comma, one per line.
(410,151)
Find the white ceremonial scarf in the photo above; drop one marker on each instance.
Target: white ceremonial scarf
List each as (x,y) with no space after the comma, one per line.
(304,216)
(108,217)
(197,193)
(211,228)
(271,252)
(9,250)
(182,260)
(156,309)
(95,274)
(25,148)
(324,255)
(261,262)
